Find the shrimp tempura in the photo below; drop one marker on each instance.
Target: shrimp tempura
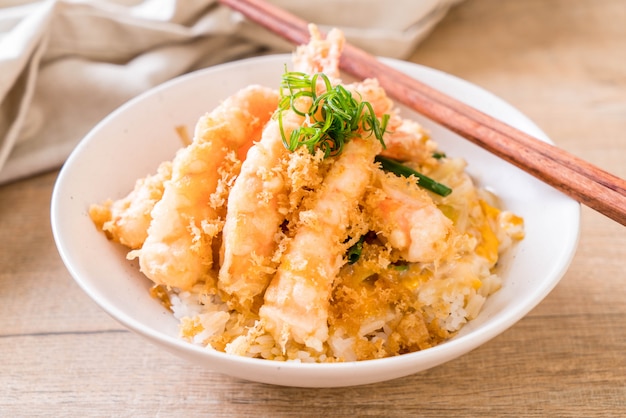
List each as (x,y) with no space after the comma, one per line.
(177,251)
(408,219)
(256,206)
(297,300)
(256,209)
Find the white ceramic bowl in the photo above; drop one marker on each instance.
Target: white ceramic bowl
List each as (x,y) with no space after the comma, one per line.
(133,140)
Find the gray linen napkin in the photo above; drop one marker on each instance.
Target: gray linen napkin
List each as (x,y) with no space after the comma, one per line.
(64,65)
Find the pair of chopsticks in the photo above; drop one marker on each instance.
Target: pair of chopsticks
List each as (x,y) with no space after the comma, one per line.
(582,181)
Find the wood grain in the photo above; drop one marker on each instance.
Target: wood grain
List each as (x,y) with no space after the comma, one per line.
(561,62)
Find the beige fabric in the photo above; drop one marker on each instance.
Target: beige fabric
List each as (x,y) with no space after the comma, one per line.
(64,65)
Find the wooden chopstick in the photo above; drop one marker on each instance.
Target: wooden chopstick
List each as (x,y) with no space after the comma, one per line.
(584,182)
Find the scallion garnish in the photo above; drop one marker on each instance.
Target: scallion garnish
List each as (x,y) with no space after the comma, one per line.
(439,155)
(400,169)
(354,252)
(400,266)
(333,118)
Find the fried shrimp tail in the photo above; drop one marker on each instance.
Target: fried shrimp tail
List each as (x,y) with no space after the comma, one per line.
(297,300)
(320,55)
(177,251)
(407,140)
(369,90)
(127,220)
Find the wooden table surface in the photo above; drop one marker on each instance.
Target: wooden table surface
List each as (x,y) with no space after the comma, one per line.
(563,63)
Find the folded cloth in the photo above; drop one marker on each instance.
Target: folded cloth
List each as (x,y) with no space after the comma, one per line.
(66,64)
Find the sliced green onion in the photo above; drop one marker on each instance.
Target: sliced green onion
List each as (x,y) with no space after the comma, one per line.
(354,252)
(335,116)
(400,169)
(400,266)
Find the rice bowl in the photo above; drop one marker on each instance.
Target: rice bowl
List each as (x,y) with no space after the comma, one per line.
(126,138)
